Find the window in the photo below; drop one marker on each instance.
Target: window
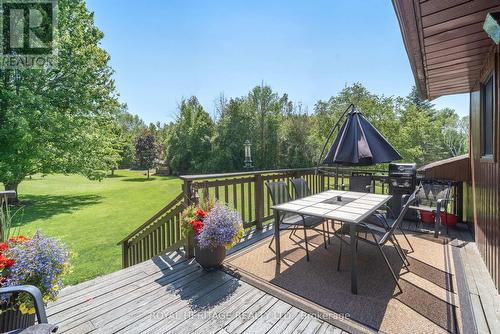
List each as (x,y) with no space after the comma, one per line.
(487,119)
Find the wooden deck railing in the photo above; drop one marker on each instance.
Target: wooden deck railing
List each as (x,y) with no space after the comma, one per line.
(245,192)
(159,234)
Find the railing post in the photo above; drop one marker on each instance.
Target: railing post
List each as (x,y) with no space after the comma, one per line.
(259,201)
(125,259)
(459,201)
(189,195)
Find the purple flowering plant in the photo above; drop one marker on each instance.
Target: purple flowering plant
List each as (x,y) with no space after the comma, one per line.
(221,227)
(40,261)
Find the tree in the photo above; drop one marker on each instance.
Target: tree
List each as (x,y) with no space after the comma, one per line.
(234,127)
(285,136)
(147,151)
(190,144)
(266,109)
(456,135)
(298,149)
(415,99)
(130,128)
(60,120)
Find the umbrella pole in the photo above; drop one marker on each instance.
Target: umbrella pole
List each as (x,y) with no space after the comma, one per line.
(337,177)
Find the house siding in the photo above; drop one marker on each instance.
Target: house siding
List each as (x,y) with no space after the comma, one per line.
(486,173)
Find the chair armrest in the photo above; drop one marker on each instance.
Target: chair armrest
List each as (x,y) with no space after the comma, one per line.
(382,218)
(369,230)
(37,296)
(404,199)
(388,209)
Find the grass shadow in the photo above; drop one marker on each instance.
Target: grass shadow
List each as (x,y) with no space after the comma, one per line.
(116,176)
(47,206)
(140,179)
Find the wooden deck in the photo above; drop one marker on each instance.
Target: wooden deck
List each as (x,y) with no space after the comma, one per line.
(170,294)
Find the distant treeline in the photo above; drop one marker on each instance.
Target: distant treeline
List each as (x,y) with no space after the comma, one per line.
(285,135)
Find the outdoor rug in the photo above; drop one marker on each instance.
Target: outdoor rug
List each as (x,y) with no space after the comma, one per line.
(428,303)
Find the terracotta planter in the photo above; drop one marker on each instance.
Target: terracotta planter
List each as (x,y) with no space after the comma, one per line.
(209,258)
(11,320)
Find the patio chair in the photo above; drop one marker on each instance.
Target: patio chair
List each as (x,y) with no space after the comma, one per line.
(360,183)
(279,195)
(378,236)
(364,183)
(434,197)
(43,327)
(302,190)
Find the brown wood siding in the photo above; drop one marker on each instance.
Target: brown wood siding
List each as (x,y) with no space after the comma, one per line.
(486,174)
(453,169)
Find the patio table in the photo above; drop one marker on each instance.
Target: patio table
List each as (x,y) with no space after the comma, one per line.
(352,209)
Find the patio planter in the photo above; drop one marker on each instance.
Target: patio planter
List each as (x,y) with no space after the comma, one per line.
(449,219)
(209,258)
(14,319)
(427,217)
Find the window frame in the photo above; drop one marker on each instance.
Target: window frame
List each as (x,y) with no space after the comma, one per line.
(490,157)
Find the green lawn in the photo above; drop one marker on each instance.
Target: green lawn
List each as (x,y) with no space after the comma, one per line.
(92,216)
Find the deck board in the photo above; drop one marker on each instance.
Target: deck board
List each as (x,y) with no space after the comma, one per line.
(171,294)
(245,294)
(166,301)
(125,310)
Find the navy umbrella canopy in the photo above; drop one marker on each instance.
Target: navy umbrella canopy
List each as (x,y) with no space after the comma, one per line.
(359,143)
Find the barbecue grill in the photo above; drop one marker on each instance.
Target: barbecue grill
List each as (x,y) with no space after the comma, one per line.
(402,181)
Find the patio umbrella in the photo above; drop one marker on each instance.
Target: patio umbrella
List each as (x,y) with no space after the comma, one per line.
(358,143)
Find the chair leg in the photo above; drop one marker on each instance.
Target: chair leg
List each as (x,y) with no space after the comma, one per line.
(400,254)
(389,266)
(305,240)
(294,229)
(324,234)
(340,254)
(328,231)
(270,243)
(406,238)
(401,249)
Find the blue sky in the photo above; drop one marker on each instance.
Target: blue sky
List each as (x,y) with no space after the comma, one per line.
(164,50)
